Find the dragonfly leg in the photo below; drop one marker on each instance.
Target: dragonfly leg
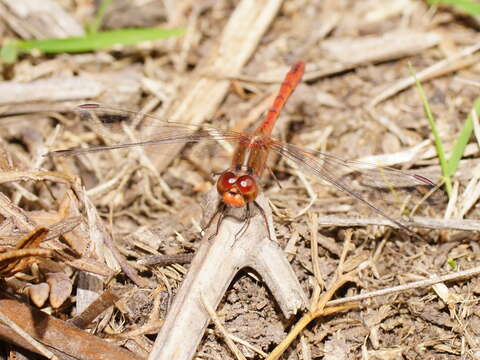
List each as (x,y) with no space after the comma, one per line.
(264,218)
(246,223)
(220,212)
(272,174)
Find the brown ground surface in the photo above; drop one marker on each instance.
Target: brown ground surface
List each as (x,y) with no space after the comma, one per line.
(355,51)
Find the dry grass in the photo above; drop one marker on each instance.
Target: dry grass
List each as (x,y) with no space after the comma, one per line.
(106,212)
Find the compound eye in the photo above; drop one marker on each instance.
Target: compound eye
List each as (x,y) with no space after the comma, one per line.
(247,186)
(226,181)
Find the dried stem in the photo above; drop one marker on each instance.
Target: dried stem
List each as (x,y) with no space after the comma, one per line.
(217,261)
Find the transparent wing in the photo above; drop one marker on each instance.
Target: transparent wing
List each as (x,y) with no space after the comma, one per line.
(320,163)
(336,171)
(118,127)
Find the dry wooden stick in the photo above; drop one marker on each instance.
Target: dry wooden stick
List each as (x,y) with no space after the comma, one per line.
(413,285)
(100,237)
(19,216)
(360,51)
(247,345)
(165,259)
(413,222)
(54,230)
(66,341)
(52,89)
(100,304)
(216,262)
(41,20)
(11,176)
(450,64)
(26,336)
(313,224)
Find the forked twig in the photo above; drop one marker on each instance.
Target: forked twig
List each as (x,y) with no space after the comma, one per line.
(217,261)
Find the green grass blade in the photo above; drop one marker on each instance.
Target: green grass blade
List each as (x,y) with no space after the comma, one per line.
(95,25)
(462,140)
(9,52)
(436,136)
(470,7)
(97,41)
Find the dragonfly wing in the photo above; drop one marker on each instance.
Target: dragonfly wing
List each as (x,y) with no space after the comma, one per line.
(118,128)
(339,173)
(325,165)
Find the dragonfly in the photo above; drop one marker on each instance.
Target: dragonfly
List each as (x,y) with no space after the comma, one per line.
(238,186)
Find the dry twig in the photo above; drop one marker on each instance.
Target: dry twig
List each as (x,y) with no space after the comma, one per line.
(36,344)
(318,311)
(216,262)
(413,222)
(453,63)
(218,324)
(67,342)
(414,285)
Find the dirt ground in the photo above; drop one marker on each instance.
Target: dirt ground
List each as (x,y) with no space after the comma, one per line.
(357,101)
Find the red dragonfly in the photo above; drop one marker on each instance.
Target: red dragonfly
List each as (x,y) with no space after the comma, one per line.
(238,185)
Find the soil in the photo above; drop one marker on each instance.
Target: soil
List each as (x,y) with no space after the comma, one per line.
(336,109)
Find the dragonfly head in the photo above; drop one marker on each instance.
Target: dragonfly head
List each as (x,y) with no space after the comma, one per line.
(236,190)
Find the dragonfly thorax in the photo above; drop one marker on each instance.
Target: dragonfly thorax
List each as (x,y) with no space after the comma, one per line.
(251,155)
(237,190)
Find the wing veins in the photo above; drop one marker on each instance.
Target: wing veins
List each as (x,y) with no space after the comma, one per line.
(308,162)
